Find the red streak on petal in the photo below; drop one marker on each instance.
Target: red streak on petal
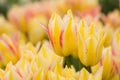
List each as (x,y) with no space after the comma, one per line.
(9,46)
(50,37)
(61,38)
(115,66)
(49,33)
(15,39)
(113,51)
(43,26)
(19,73)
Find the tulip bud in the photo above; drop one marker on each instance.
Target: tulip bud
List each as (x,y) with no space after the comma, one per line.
(62,34)
(116,51)
(90,44)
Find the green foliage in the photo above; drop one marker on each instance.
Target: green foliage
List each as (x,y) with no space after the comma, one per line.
(109,5)
(75,62)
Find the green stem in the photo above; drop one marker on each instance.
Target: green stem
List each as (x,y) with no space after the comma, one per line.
(70,60)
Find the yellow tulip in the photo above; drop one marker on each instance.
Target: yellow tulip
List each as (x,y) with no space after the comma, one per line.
(112,18)
(6,27)
(90,43)
(116,51)
(9,50)
(107,64)
(34,29)
(62,34)
(20,15)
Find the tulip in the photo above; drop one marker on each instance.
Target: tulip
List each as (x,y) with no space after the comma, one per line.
(9,50)
(116,51)
(112,18)
(20,15)
(90,44)
(6,27)
(62,34)
(25,19)
(11,30)
(34,29)
(107,63)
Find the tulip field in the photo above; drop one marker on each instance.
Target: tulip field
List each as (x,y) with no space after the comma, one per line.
(60,40)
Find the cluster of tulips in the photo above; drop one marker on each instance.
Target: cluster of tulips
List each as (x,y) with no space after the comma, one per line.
(60,40)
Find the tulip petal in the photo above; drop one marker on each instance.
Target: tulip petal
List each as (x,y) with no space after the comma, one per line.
(82,50)
(69,38)
(56,25)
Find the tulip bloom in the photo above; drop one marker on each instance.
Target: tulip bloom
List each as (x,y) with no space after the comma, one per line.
(34,29)
(107,63)
(6,27)
(62,34)
(113,18)
(20,15)
(68,38)
(116,51)
(9,50)
(90,43)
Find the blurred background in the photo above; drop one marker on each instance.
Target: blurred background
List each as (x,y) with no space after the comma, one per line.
(107,5)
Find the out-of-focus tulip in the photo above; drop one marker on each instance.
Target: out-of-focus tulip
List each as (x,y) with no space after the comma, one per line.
(90,43)
(6,27)
(9,50)
(107,63)
(116,51)
(25,19)
(80,8)
(20,15)
(35,32)
(62,34)
(112,18)
(9,29)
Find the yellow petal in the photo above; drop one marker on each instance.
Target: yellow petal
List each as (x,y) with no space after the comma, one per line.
(69,36)
(55,26)
(91,51)
(82,50)
(84,74)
